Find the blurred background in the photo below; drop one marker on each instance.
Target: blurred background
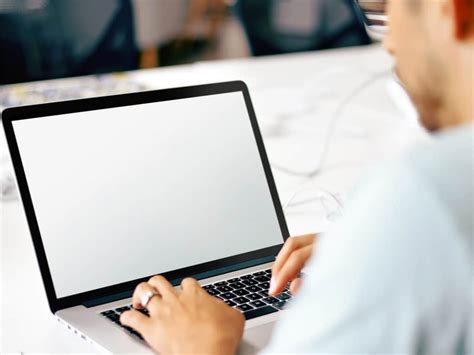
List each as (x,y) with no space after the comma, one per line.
(97,47)
(48,39)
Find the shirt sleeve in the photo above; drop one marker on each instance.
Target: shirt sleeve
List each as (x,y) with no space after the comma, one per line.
(376,275)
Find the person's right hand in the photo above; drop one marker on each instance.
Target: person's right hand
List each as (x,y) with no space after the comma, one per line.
(289,262)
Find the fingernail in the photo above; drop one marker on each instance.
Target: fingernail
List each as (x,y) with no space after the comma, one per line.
(272,285)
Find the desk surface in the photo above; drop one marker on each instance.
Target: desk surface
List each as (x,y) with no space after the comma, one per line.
(295,97)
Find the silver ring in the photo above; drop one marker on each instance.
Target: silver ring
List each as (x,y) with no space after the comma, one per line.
(146,297)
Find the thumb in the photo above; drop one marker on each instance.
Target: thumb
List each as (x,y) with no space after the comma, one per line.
(135,320)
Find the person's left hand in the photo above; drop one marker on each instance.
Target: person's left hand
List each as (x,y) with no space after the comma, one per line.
(186,321)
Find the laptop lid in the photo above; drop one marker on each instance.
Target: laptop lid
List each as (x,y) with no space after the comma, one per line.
(117,189)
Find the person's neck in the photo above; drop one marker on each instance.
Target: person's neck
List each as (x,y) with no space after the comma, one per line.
(460,106)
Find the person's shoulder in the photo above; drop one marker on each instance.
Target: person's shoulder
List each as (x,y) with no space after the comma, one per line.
(444,165)
(439,156)
(439,170)
(446,153)
(419,203)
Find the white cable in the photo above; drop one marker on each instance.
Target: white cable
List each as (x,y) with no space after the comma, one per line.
(332,128)
(329,136)
(331,215)
(314,188)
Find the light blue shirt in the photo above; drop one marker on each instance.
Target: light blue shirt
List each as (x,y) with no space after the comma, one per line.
(395,274)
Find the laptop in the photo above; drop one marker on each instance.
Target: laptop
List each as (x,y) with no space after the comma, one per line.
(175,182)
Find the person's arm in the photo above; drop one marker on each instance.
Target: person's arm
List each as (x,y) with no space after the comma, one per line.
(371,283)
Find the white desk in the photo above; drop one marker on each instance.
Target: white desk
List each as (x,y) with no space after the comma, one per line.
(294,98)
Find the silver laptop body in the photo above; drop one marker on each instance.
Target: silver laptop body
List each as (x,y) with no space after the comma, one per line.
(175,182)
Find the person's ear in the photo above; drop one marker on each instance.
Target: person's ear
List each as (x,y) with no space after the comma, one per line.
(463,18)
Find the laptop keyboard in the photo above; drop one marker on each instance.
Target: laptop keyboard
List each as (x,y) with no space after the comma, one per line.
(247,293)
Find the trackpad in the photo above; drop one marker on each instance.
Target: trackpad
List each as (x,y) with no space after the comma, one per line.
(255,339)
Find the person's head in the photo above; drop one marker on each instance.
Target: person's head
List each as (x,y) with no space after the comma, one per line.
(432,42)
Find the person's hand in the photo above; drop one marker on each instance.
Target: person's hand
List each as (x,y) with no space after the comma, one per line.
(289,262)
(186,321)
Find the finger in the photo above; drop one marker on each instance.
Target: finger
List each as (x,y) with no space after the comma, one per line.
(141,290)
(291,245)
(136,320)
(295,285)
(164,288)
(290,269)
(155,304)
(190,284)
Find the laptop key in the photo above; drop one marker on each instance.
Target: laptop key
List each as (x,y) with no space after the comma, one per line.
(260,273)
(106,313)
(245,307)
(271,300)
(122,309)
(268,271)
(262,278)
(265,285)
(254,313)
(249,282)
(279,305)
(233,280)
(264,293)
(224,289)
(241,292)
(207,287)
(113,317)
(246,277)
(253,289)
(258,304)
(230,303)
(222,283)
(283,296)
(254,296)
(143,311)
(237,285)
(227,295)
(240,300)
(212,292)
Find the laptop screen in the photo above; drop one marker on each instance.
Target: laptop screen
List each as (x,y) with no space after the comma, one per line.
(127,192)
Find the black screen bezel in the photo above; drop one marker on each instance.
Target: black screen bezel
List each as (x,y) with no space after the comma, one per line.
(29,112)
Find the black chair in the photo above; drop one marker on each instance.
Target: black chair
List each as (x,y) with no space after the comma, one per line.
(63,38)
(337,24)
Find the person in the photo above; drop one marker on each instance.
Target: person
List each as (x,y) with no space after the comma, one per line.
(394,275)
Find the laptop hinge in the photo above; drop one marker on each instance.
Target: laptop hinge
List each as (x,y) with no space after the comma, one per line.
(107,299)
(231,268)
(203,275)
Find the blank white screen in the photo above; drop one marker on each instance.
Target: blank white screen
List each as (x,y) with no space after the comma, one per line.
(133,191)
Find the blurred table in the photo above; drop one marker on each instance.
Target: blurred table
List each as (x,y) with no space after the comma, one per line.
(295,98)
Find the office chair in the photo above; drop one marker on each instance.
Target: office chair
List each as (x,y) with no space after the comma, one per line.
(335,23)
(46,39)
